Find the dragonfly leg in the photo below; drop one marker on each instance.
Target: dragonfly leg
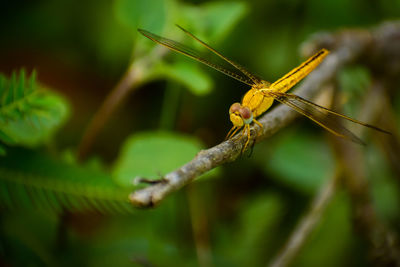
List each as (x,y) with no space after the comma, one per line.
(260,125)
(231,132)
(258,132)
(251,148)
(246,128)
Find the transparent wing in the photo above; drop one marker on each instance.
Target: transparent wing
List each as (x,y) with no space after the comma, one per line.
(326,118)
(187,51)
(250,75)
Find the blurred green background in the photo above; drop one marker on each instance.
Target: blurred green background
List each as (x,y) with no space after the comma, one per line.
(60,210)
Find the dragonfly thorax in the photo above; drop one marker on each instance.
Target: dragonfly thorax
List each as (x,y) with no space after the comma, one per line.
(262,85)
(240,115)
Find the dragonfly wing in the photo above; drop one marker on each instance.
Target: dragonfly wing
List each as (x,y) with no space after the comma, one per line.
(328,119)
(187,51)
(254,78)
(297,74)
(337,114)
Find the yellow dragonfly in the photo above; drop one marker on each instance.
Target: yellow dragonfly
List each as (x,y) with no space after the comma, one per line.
(262,93)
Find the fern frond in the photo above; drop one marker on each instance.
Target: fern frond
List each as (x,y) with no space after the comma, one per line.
(39,182)
(29,114)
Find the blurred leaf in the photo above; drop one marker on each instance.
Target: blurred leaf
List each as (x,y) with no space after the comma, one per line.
(32,242)
(32,180)
(109,40)
(332,241)
(384,188)
(214,19)
(189,74)
(29,115)
(153,154)
(301,160)
(281,52)
(386,197)
(354,82)
(152,240)
(150,15)
(259,217)
(94,162)
(2,151)
(354,79)
(324,14)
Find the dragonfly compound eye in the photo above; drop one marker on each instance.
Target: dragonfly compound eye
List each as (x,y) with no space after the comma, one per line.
(235,108)
(246,114)
(234,115)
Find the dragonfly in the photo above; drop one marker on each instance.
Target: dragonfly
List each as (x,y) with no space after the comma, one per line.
(262,93)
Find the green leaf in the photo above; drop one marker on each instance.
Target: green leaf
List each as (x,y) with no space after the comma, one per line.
(213,20)
(30,87)
(32,242)
(189,74)
(3,151)
(153,154)
(30,179)
(353,81)
(216,19)
(259,217)
(20,86)
(7,90)
(150,15)
(332,241)
(385,193)
(29,115)
(301,160)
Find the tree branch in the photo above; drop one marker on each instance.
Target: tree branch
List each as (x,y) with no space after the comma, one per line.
(349,48)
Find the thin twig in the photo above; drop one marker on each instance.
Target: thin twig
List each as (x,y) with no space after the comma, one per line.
(131,80)
(308,223)
(200,227)
(383,243)
(127,82)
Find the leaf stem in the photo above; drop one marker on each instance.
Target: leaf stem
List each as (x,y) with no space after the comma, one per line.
(170,106)
(129,81)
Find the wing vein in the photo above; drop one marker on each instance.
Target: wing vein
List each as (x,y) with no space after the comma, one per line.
(320,115)
(187,51)
(253,77)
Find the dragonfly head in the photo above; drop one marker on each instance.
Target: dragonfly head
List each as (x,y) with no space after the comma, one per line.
(240,115)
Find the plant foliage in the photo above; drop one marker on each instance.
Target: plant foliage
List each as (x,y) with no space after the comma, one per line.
(148,155)
(32,180)
(29,114)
